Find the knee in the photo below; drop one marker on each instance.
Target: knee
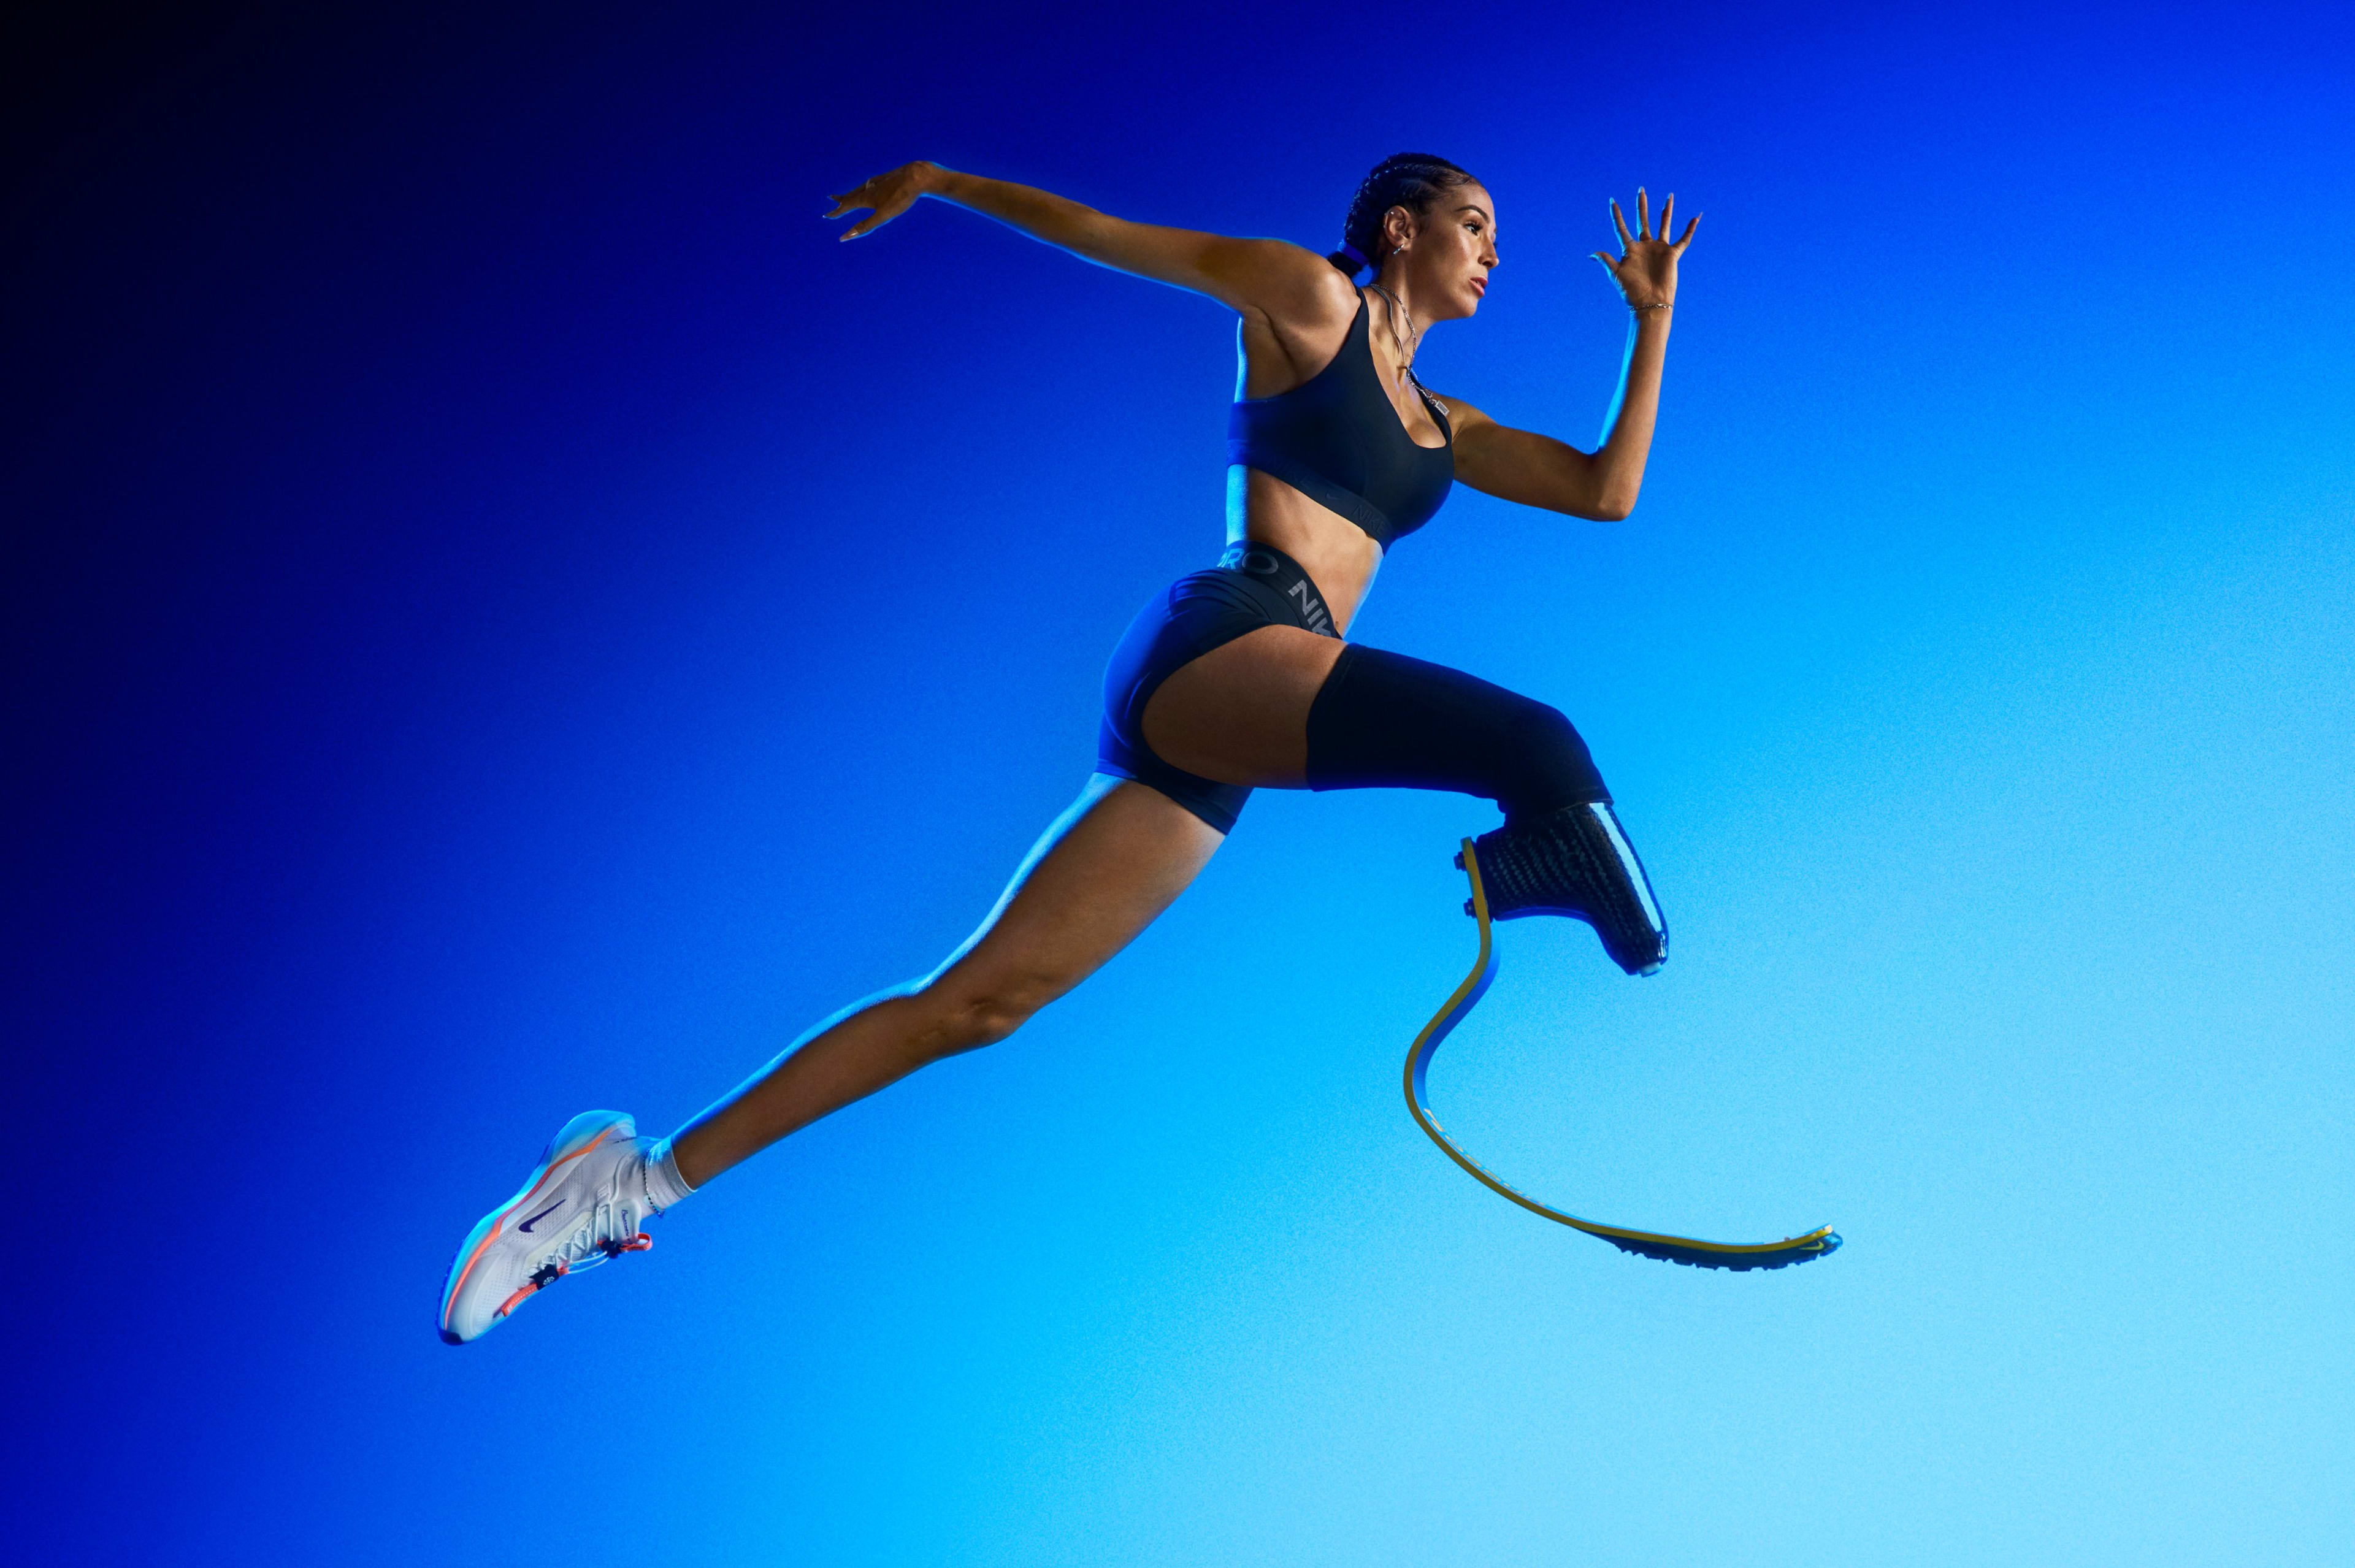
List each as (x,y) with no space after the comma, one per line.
(1540,727)
(1552,758)
(967,1017)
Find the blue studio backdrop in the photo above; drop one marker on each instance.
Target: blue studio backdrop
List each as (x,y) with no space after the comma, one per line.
(507,615)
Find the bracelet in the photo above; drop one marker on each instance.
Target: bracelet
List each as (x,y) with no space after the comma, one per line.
(1663,304)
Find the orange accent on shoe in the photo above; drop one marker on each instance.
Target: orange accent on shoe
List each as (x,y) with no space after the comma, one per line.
(499,1224)
(529,1287)
(641,1242)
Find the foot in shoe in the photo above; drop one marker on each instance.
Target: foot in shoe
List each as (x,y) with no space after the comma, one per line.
(1575,861)
(583,1205)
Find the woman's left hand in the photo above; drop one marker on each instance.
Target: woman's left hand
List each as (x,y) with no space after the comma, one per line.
(887,195)
(1647,271)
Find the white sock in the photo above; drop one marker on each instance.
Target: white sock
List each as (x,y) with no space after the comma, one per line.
(664,1185)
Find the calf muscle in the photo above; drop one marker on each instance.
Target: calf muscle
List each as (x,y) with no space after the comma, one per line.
(1097,877)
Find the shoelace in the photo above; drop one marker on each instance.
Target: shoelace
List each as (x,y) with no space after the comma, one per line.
(593,1242)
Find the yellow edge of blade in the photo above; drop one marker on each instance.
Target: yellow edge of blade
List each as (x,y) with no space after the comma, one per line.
(1447,1146)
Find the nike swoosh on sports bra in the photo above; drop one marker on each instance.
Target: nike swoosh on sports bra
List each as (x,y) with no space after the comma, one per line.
(1336,440)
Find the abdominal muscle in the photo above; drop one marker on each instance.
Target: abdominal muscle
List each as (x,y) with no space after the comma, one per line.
(1339,557)
(1240,713)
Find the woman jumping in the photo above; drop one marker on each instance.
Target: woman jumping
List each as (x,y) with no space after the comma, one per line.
(1234,679)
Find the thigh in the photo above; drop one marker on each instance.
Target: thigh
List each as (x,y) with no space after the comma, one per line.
(1100,874)
(1239,714)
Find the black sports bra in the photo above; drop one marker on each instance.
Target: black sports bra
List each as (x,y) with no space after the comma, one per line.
(1336,439)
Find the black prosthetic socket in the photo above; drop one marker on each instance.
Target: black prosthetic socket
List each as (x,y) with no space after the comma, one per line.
(1576,861)
(1384,721)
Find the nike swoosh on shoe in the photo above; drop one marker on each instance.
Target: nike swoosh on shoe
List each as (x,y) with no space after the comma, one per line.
(535,1219)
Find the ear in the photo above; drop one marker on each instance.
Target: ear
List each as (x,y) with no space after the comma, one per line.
(1399,226)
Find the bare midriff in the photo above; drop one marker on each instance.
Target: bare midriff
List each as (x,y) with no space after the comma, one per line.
(1339,557)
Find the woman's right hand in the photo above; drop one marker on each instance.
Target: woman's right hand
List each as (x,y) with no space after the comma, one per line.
(887,195)
(1647,269)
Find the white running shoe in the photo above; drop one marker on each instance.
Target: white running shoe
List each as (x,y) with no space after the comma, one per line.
(582,1206)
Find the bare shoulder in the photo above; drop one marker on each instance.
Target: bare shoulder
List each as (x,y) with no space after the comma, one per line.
(1293,331)
(1275,278)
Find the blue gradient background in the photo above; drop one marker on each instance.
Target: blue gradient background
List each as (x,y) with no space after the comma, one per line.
(506,616)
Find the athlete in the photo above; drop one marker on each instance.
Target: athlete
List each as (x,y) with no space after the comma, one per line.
(1235,679)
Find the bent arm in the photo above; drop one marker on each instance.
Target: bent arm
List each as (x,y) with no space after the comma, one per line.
(1247,275)
(1538,471)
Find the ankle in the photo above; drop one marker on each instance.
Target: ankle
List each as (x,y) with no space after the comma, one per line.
(664,1185)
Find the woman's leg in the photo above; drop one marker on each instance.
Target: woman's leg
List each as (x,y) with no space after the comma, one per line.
(1286,708)
(1097,877)
(1239,714)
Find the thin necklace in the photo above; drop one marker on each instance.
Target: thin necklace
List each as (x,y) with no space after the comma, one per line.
(1391,304)
(1413,338)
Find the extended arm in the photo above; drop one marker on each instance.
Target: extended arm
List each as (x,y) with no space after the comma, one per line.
(1266,276)
(1538,471)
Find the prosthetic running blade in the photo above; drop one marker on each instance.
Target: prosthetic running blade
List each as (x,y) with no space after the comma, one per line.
(1669,1249)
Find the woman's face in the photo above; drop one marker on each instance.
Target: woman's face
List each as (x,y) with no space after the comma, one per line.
(1451,250)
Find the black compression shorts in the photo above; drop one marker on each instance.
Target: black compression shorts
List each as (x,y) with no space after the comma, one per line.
(1253,585)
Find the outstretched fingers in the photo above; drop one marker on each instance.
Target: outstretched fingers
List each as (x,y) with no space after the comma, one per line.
(1644,230)
(850,201)
(882,198)
(1668,223)
(859,195)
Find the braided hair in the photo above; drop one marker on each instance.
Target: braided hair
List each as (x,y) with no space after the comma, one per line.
(1411,180)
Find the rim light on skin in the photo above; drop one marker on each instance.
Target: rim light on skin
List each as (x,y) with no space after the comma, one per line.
(1294,308)
(1123,852)
(1643,231)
